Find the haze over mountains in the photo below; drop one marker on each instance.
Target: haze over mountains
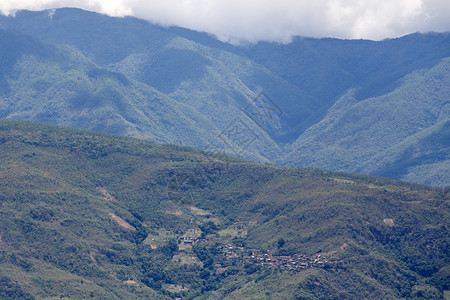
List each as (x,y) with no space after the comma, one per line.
(352,105)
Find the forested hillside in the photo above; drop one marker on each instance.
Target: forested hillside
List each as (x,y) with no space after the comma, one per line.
(85,214)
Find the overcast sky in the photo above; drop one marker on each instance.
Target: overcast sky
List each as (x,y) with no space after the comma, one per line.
(272,20)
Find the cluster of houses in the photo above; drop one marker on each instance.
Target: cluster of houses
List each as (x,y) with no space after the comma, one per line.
(295,262)
(244,256)
(189,238)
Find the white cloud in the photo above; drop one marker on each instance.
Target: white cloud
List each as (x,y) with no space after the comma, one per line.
(272,20)
(109,7)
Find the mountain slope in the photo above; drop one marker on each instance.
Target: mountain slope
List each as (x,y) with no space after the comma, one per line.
(376,67)
(60,86)
(93,215)
(374,134)
(276,96)
(426,149)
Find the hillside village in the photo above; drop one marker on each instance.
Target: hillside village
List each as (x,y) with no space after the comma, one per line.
(236,254)
(232,254)
(294,262)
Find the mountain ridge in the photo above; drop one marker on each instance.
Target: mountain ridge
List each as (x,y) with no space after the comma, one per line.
(219,82)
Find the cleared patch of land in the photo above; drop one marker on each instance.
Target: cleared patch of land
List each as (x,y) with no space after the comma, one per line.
(106,195)
(122,222)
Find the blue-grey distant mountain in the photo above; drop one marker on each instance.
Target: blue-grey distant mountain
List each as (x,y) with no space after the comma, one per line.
(401,134)
(350,105)
(58,85)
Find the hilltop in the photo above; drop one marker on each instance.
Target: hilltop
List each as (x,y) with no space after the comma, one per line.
(87,214)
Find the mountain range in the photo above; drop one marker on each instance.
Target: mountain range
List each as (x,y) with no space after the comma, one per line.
(368,107)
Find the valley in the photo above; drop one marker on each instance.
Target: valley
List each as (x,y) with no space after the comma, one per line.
(356,106)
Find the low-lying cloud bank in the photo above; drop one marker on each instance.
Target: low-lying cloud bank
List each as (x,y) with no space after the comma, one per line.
(270,20)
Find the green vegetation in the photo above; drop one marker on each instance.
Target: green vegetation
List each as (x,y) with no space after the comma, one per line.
(385,135)
(344,105)
(90,215)
(73,91)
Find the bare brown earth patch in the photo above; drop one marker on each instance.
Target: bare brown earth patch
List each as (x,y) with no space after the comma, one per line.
(122,222)
(199,211)
(174,212)
(131,282)
(106,195)
(389,222)
(92,258)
